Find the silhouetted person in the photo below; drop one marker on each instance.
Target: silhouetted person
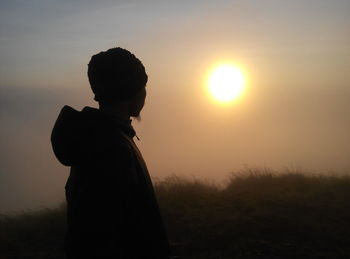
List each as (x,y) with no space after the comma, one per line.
(112,208)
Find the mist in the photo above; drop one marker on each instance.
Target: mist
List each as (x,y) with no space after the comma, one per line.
(294,113)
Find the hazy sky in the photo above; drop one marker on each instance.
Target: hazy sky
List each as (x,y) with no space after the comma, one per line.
(295,111)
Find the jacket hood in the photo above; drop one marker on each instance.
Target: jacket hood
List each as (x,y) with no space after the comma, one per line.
(80,135)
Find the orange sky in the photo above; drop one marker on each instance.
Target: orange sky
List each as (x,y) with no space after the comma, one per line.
(294,113)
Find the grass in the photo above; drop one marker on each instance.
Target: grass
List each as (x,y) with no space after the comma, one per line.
(257,214)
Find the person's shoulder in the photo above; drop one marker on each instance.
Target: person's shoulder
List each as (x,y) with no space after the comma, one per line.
(117,141)
(115,150)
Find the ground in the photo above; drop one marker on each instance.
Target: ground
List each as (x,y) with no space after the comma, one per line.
(257,214)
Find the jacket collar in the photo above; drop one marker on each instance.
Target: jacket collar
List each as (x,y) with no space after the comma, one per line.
(124,125)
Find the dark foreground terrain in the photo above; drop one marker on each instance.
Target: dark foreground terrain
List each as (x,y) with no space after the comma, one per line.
(258,214)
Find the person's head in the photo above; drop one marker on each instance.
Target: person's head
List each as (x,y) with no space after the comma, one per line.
(117,76)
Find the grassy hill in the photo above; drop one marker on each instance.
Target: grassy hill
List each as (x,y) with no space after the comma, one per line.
(258,214)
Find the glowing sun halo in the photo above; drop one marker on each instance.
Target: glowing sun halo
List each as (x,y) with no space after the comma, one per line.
(226,83)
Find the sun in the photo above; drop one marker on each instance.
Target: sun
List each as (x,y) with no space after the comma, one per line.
(226,83)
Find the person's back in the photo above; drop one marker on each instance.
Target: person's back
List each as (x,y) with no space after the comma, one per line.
(111,207)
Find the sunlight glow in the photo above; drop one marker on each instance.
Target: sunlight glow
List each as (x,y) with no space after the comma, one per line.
(226,83)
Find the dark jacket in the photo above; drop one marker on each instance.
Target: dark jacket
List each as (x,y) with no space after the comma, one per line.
(111,206)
